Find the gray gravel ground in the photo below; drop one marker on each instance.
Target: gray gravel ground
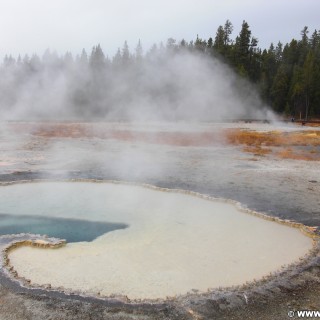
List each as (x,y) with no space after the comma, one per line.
(288,189)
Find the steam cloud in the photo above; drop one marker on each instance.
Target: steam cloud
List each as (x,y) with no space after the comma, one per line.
(162,85)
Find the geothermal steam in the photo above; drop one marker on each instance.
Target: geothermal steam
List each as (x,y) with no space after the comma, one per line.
(163,86)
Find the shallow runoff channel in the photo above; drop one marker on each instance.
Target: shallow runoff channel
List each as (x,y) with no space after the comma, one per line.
(162,243)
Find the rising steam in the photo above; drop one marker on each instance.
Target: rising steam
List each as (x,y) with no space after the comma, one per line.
(163,85)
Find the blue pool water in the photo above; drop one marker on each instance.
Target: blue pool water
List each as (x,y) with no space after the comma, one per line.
(73,230)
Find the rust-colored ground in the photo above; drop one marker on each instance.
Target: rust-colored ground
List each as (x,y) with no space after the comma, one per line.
(85,130)
(297,145)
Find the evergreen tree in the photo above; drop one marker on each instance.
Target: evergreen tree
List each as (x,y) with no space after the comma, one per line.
(117,59)
(139,51)
(268,71)
(228,28)
(200,45)
(171,46)
(219,41)
(296,96)
(35,64)
(97,59)
(242,52)
(278,52)
(83,60)
(279,89)
(308,78)
(125,54)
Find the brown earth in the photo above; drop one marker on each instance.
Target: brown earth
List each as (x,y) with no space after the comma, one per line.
(296,145)
(85,130)
(286,145)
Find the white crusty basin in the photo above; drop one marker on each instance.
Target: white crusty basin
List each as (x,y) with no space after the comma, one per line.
(175,241)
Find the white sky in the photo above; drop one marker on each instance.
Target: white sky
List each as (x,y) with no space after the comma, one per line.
(31,26)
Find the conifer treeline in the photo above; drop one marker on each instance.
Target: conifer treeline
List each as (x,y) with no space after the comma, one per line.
(287,75)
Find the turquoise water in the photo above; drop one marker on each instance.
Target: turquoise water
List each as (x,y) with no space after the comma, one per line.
(73,230)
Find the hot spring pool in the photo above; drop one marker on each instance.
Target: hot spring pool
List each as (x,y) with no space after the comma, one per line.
(160,244)
(72,230)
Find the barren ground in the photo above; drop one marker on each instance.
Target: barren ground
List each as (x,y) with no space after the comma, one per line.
(275,171)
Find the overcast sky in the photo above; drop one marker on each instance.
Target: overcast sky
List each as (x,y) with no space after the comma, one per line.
(31,26)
